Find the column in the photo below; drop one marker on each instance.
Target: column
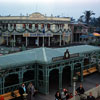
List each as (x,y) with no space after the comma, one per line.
(49,41)
(7,40)
(76,37)
(14,40)
(20,74)
(3,81)
(26,41)
(43,41)
(37,41)
(0,85)
(36,75)
(97,62)
(46,80)
(79,37)
(60,78)
(89,61)
(72,74)
(60,41)
(81,72)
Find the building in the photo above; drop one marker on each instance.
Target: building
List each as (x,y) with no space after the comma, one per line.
(47,67)
(81,32)
(78,29)
(34,30)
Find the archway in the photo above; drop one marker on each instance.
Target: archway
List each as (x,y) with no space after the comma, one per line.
(66,76)
(86,61)
(28,75)
(11,80)
(54,80)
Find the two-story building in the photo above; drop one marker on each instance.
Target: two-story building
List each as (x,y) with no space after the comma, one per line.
(34,30)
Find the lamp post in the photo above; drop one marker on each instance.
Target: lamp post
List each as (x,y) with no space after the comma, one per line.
(74,85)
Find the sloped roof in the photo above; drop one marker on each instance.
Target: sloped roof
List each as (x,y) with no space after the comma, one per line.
(43,55)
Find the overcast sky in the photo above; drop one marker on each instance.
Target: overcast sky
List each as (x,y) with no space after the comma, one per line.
(68,8)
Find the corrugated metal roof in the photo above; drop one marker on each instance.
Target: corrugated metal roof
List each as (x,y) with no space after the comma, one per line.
(42,54)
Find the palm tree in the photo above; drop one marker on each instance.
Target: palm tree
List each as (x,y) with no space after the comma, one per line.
(88,15)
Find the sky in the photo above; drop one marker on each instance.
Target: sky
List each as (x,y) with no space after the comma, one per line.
(62,8)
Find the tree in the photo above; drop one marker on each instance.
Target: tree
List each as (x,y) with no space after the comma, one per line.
(88,15)
(81,19)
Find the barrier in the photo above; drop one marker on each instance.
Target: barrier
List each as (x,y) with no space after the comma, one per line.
(95,92)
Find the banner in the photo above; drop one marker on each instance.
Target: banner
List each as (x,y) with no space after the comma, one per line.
(37,35)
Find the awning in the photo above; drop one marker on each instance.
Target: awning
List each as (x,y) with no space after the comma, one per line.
(84,36)
(96,34)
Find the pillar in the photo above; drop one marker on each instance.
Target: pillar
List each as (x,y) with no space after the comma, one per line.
(36,75)
(20,74)
(43,41)
(3,81)
(26,41)
(0,85)
(49,41)
(37,41)
(97,62)
(46,80)
(89,61)
(60,78)
(60,41)
(7,40)
(72,74)
(81,72)
(14,40)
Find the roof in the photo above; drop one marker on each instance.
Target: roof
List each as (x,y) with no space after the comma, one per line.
(41,55)
(35,16)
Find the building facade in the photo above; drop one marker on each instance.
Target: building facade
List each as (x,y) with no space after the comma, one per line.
(34,30)
(48,68)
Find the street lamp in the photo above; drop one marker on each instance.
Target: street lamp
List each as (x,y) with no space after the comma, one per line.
(74,85)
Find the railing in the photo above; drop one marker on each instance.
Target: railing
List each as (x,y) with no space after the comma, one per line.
(15,87)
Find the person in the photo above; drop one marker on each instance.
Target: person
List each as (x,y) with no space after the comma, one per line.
(65,91)
(1,98)
(70,95)
(57,96)
(22,90)
(80,90)
(66,94)
(31,91)
(90,97)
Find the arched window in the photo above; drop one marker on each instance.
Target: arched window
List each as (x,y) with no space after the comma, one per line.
(24,25)
(48,26)
(14,25)
(29,75)
(11,79)
(30,26)
(36,26)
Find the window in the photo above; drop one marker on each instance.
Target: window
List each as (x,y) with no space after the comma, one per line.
(36,26)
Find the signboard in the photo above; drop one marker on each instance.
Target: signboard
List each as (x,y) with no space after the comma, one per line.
(66,56)
(37,35)
(6,34)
